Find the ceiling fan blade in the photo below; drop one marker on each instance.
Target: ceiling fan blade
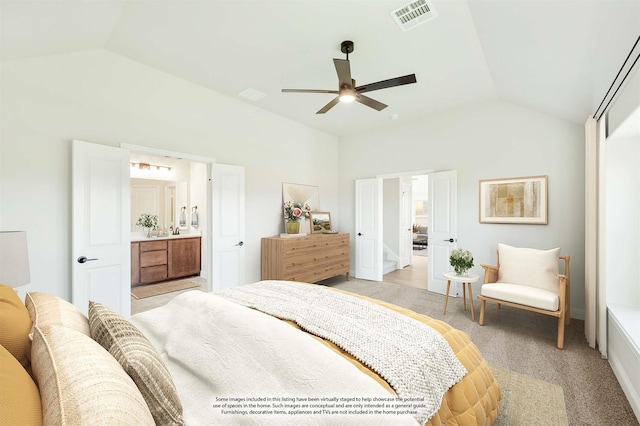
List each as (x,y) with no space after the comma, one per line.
(344,72)
(365,100)
(335,92)
(328,106)
(392,82)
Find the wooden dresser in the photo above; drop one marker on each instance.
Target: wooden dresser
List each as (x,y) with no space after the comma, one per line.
(164,259)
(310,259)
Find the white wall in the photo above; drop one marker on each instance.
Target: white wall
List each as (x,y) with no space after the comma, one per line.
(100,97)
(492,140)
(622,220)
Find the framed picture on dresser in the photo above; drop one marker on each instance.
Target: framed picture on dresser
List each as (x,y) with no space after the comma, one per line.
(320,222)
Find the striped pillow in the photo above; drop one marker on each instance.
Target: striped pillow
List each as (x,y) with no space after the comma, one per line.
(140,360)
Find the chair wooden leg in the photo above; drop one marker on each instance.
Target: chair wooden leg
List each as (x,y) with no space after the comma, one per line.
(481,319)
(561,332)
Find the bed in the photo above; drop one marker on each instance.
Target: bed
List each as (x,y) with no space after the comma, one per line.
(220,359)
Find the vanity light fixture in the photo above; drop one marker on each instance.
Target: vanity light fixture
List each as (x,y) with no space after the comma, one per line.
(147,166)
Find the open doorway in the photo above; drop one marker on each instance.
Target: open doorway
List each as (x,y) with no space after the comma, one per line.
(405,230)
(169,258)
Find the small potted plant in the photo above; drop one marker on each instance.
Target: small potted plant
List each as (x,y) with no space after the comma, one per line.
(293,214)
(148,222)
(461,260)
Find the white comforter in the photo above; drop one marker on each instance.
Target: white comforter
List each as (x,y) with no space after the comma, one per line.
(221,353)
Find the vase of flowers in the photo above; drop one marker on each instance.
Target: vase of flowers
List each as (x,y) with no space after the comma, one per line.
(461,260)
(148,222)
(293,214)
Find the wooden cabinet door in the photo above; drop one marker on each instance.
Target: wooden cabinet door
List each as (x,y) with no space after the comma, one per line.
(184,257)
(135,264)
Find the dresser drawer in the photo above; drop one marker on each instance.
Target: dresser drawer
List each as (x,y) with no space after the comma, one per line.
(308,259)
(153,273)
(153,258)
(153,245)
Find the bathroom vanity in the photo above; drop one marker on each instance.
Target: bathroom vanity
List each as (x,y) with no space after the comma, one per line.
(164,258)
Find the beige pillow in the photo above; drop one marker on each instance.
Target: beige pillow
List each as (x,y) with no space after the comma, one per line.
(47,309)
(140,360)
(19,396)
(14,326)
(527,266)
(81,384)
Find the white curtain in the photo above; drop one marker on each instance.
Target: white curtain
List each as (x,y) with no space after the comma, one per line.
(595,289)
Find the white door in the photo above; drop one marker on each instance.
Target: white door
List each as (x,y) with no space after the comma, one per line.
(368,230)
(406,228)
(228,254)
(101,251)
(443,227)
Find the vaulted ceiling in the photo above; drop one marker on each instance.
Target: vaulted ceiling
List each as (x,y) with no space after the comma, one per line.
(557,57)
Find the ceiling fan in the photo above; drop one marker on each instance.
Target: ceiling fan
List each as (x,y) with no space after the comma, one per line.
(347,90)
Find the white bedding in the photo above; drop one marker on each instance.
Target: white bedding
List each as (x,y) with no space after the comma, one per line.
(217,349)
(412,357)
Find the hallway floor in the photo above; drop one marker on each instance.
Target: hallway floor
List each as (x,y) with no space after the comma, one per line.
(414,275)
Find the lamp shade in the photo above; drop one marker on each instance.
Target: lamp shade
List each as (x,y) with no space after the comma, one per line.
(14,259)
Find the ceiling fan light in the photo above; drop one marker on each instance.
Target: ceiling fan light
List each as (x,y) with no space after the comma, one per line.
(347,98)
(347,95)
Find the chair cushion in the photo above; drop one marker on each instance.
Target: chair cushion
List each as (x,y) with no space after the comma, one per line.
(527,266)
(523,295)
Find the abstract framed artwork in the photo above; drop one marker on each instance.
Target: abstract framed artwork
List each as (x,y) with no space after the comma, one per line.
(514,200)
(320,222)
(302,194)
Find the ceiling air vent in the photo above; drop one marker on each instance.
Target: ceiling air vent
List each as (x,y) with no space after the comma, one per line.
(413,14)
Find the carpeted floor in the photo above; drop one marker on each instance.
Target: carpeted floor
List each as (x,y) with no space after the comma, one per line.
(524,342)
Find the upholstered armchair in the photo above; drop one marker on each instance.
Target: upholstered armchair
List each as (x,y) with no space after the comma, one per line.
(528,279)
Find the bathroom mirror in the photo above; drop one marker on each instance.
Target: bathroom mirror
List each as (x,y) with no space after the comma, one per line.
(162,198)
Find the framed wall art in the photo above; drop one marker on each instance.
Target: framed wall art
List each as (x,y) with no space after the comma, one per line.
(514,200)
(320,222)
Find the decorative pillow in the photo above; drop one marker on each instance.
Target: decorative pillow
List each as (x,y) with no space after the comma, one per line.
(14,326)
(527,266)
(19,396)
(140,360)
(81,384)
(47,309)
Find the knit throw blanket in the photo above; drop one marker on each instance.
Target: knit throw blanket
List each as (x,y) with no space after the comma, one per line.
(413,358)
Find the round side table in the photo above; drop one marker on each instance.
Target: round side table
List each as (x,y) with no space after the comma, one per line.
(467,279)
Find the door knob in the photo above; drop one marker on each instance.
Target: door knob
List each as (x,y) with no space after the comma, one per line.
(241,243)
(450,240)
(84,259)
(359,234)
